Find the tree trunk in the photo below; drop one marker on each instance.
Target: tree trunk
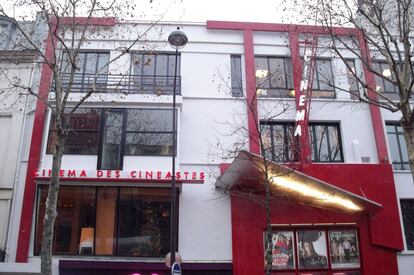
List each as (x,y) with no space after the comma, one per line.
(268,230)
(50,212)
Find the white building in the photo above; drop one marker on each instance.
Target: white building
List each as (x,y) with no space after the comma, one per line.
(114,213)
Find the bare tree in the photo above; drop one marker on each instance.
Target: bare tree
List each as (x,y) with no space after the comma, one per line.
(379,34)
(257,135)
(68,26)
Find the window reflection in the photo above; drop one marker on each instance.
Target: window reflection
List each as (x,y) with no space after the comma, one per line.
(108,221)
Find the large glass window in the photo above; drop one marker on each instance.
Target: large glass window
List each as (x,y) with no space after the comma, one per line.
(329,251)
(113,133)
(149,132)
(397,146)
(280,145)
(83,137)
(120,221)
(407,211)
(154,73)
(274,76)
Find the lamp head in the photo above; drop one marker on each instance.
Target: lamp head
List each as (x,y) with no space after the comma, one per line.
(177,39)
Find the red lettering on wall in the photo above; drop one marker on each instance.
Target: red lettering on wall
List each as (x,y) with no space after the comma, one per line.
(186,175)
(117,174)
(133,174)
(99,173)
(159,175)
(148,175)
(83,174)
(202,175)
(72,173)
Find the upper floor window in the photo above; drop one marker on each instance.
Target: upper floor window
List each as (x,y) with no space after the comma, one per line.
(91,71)
(274,76)
(352,81)
(383,85)
(407,211)
(236,76)
(113,133)
(83,137)
(280,145)
(397,146)
(325,142)
(154,73)
(323,80)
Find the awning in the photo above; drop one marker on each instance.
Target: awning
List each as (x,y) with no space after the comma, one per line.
(248,172)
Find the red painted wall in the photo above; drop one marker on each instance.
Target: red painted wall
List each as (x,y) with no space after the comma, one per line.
(380,236)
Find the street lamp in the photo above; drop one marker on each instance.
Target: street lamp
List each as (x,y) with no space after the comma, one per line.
(177,39)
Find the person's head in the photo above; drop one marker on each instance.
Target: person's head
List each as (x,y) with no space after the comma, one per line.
(309,249)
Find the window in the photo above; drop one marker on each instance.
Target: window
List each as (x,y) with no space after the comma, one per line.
(315,251)
(325,142)
(323,84)
(280,145)
(83,138)
(384,86)
(274,76)
(397,146)
(118,221)
(149,132)
(236,76)
(407,211)
(113,133)
(154,73)
(352,81)
(88,64)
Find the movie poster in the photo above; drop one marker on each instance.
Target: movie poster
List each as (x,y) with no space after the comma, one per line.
(344,248)
(312,251)
(282,250)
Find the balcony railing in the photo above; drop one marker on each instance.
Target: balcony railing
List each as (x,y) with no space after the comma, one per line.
(127,84)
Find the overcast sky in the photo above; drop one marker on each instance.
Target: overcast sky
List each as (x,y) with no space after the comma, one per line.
(229,10)
(197,10)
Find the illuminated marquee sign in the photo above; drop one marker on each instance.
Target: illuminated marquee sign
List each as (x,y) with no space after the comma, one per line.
(147,175)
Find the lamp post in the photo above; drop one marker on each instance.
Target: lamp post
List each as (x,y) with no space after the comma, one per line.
(177,40)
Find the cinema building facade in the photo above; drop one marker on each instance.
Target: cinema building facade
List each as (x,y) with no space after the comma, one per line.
(340,212)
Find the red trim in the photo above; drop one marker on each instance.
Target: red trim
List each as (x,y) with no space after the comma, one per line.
(293,31)
(305,153)
(271,27)
(115,180)
(377,123)
(34,157)
(252,118)
(26,217)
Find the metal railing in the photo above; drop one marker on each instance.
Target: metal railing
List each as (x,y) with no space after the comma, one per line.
(127,84)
